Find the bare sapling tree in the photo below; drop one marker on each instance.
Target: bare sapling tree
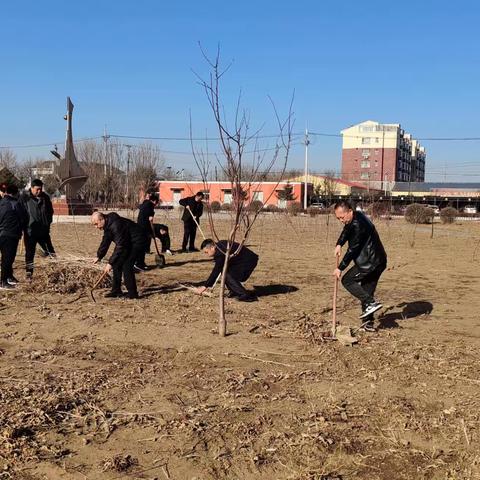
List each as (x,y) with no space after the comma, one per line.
(242,163)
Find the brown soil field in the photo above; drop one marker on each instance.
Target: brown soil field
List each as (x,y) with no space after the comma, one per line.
(146,389)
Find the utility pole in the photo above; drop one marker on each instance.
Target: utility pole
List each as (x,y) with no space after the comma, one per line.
(128,172)
(306,142)
(105,140)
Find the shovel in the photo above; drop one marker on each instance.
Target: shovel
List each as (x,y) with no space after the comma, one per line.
(97,283)
(159,258)
(334,309)
(197,224)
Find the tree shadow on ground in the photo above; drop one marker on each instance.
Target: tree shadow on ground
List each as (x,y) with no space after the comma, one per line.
(409,310)
(275,289)
(164,289)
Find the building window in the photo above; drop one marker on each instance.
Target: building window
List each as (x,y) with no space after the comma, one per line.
(365,176)
(257,197)
(366,140)
(365,164)
(365,152)
(227,196)
(377,151)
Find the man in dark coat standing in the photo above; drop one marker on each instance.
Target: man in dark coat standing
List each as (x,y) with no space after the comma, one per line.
(13,220)
(240,266)
(366,250)
(146,212)
(193,209)
(129,240)
(40,215)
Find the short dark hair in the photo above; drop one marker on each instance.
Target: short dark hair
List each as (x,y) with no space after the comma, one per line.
(208,242)
(37,183)
(11,189)
(346,205)
(200,194)
(154,197)
(3,187)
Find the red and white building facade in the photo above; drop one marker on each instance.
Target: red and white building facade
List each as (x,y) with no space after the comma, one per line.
(171,191)
(380,154)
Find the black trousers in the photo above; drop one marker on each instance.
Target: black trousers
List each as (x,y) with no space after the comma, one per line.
(124,267)
(164,237)
(189,233)
(362,285)
(31,241)
(8,248)
(238,274)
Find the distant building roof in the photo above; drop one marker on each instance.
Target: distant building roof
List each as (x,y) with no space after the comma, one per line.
(432,186)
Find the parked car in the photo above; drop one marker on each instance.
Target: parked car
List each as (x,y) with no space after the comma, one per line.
(318,205)
(470,209)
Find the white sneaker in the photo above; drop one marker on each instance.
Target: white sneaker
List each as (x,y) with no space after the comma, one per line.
(371,308)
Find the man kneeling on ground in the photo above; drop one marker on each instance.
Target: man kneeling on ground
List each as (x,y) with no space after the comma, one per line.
(240,266)
(130,241)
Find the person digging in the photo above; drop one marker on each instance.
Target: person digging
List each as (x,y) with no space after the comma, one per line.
(240,267)
(366,251)
(130,241)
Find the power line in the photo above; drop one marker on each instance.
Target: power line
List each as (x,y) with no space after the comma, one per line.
(3,147)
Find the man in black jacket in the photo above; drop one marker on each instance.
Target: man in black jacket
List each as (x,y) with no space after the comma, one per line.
(193,209)
(40,215)
(367,252)
(130,241)
(240,266)
(13,219)
(146,212)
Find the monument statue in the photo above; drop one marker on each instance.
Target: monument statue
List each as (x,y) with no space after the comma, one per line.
(71,175)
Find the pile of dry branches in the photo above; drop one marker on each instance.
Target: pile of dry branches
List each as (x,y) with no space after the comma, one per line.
(66,277)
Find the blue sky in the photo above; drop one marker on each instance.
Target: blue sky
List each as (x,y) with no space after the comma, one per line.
(129,65)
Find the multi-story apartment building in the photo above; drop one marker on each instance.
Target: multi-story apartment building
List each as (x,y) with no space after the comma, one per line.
(378,154)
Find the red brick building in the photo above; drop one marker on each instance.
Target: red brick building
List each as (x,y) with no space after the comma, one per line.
(171,191)
(379,154)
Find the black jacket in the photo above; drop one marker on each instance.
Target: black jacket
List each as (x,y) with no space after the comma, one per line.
(40,213)
(145,211)
(124,233)
(244,260)
(195,207)
(364,245)
(13,218)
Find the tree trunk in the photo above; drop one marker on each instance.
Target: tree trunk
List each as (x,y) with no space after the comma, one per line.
(222,321)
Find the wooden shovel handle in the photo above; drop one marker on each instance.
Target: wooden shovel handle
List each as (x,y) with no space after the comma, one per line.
(334,309)
(155,239)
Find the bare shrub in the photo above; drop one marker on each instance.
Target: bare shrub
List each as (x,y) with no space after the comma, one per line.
(255,206)
(226,207)
(379,209)
(215,206)
(313,212)
(294,208)
(417,213)
(448,215)
(271,208)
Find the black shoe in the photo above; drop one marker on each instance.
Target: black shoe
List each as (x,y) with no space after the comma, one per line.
(6,286)
(183,250)
(113,295)
(12,281)
(247,298)
(192,250)
(132,296)
(231,294)
(371,308)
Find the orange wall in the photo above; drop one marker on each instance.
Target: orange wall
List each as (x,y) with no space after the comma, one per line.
(184,189)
